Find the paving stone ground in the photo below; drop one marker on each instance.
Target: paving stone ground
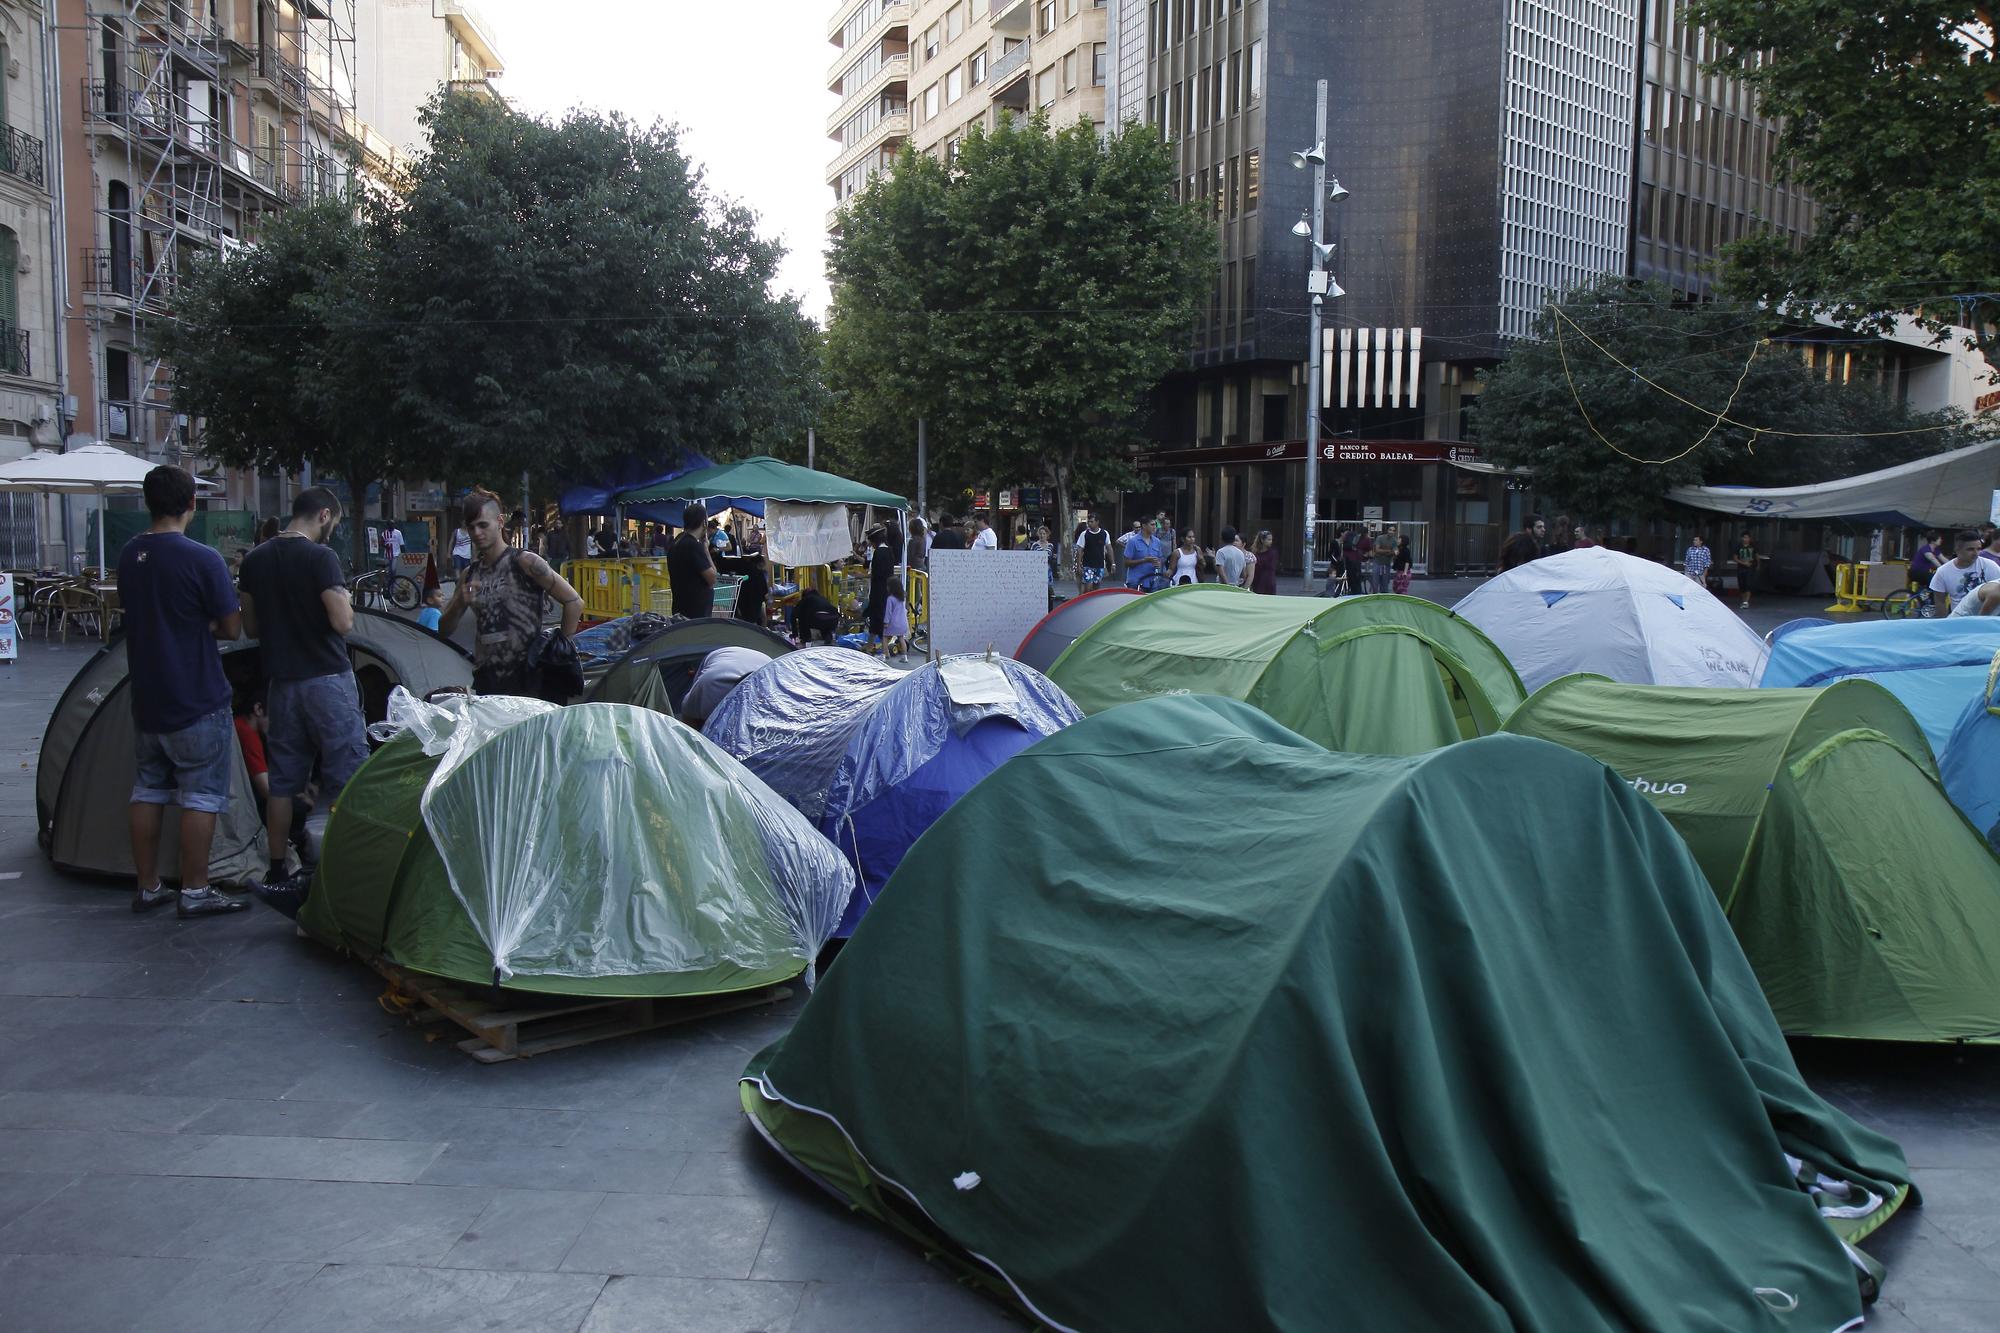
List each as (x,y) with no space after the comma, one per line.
(211,1126)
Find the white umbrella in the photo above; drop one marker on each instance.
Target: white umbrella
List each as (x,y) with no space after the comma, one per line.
(90,469)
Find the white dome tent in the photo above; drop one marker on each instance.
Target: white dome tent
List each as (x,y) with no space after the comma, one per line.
(1616,615)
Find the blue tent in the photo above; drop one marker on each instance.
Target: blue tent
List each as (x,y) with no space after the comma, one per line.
(1933,666)
(789,722)
(1970,761)
(924,744)
(632,472)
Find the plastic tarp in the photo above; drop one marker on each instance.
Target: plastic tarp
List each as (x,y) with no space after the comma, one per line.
(789,721)
(1868,907)
(595,496)
(607,840)
(1934,667)
(1970,760)
(1369,675)
(1616,615)
(1951,490)
(922,746)
(1404,1068)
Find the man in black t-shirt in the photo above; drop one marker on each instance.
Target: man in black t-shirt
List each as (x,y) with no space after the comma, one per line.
(948,537)
(296,605)
(690,571)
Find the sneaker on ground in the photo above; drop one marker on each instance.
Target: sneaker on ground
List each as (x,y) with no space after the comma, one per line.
(145,900)
(206,902)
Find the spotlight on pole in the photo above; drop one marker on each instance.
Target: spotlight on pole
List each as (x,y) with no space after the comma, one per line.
(1314,156)
(1337,190)
(1303,227)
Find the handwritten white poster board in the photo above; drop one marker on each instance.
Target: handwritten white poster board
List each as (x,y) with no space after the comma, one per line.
(982,599)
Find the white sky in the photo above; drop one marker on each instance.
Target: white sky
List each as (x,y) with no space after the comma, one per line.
(744,79)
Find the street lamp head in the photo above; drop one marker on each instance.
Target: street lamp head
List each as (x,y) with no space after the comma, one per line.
(1323,254)
(1314,156)
(1333,288)
(1335,190)
(1303,227)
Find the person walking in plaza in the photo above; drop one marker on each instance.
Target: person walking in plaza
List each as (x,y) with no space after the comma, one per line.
(1142,558)
(1230,559)
(1380,553)
(1745,561)
(1188,560)
(1695,564)
(461,553)
(508,592)
(1044,543)
(881,572)
(296,605)
(392,544)
(1562,537)
(750,565)
(1524,545)
(1964,572)
(985,539)
(947,537)
(177,602)
(1093,555)
(691,566)
(1400,567)
(1264,578)
(920,545)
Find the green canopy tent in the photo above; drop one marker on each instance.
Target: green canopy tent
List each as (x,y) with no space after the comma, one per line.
(1863,899)
(1369,675)
(598,849)
(1333,1039)
(762,478)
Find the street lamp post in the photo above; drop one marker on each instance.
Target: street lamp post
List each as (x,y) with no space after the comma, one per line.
(1319,285)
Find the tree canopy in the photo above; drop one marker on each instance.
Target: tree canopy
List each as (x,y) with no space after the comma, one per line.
(1572,404)
(546,297)
(1891,121)
(1023,299)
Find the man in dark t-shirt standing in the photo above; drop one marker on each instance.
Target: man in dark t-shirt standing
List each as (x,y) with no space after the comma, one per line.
(690,571)
(296,605)
(177,603)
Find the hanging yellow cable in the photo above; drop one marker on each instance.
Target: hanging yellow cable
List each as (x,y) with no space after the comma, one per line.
(1722,418)
(1719,417)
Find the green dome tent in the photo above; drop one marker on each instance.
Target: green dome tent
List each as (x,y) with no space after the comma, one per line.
(83,780)
(1865,902)
(600,849)
(1369,675)
(1269,1068)
(656,672)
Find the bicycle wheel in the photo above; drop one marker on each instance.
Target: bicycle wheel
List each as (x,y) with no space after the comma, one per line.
(363,593)
(1904,603)
(404,594)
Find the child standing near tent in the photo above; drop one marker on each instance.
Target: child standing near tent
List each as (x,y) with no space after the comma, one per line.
(896,621)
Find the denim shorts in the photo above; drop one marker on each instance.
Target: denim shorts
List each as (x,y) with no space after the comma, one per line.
(191,767)
(317,718)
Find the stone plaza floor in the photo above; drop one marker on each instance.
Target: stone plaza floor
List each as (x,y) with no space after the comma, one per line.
(212,1126)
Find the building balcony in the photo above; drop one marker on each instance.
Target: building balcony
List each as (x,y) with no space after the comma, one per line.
(485,88)
(894,72)
(894,12)
(893,45)
(1007,82)
(14,358)
(1013,15)
(21,156)
(887,135)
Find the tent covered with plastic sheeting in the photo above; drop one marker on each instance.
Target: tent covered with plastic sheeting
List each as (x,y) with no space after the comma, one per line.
(1933,666)
(1267,1069)
(1970,760)
(1614,614)
(1057,630)
(789,722)
(1370,675)
(83,781)
(656,673)
(922,746)
(599,849)
(1865,902)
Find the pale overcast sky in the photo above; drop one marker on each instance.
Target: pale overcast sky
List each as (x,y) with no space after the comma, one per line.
(745,80)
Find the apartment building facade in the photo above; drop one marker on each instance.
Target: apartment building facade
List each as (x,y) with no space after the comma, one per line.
(1497,153)
(407,49)
(926,72)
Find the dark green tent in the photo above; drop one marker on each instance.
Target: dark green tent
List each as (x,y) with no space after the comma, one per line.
(1866,903)
(1372,675)
(1452,1042)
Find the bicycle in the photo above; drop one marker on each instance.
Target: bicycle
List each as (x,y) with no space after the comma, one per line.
(375,588)
(1913,602)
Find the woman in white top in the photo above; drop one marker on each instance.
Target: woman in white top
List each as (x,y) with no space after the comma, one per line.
(1187,560)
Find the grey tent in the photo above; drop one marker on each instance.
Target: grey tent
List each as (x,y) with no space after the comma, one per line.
(656,673)
(83,782)
(1058,629)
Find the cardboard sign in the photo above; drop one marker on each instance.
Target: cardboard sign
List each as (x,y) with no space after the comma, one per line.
(986,599)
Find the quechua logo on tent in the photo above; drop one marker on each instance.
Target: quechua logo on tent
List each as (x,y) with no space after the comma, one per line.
(1647,787)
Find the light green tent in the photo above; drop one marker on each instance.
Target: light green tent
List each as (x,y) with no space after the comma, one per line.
(600,849)
(761,478)
(1458,1041)
(1865,902)
(1369,675)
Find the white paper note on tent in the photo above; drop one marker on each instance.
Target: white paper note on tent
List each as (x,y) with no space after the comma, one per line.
(975,682)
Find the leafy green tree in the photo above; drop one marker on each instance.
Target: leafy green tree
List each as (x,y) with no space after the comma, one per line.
(278,354)
(1023,300)
(1891,120)
(1572,404)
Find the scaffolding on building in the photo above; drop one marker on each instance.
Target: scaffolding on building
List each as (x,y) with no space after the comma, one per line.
(171,91)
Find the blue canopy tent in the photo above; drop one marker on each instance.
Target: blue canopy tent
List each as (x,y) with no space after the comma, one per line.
(1933,666)
(1968,761)
(925,743)
(634,472)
